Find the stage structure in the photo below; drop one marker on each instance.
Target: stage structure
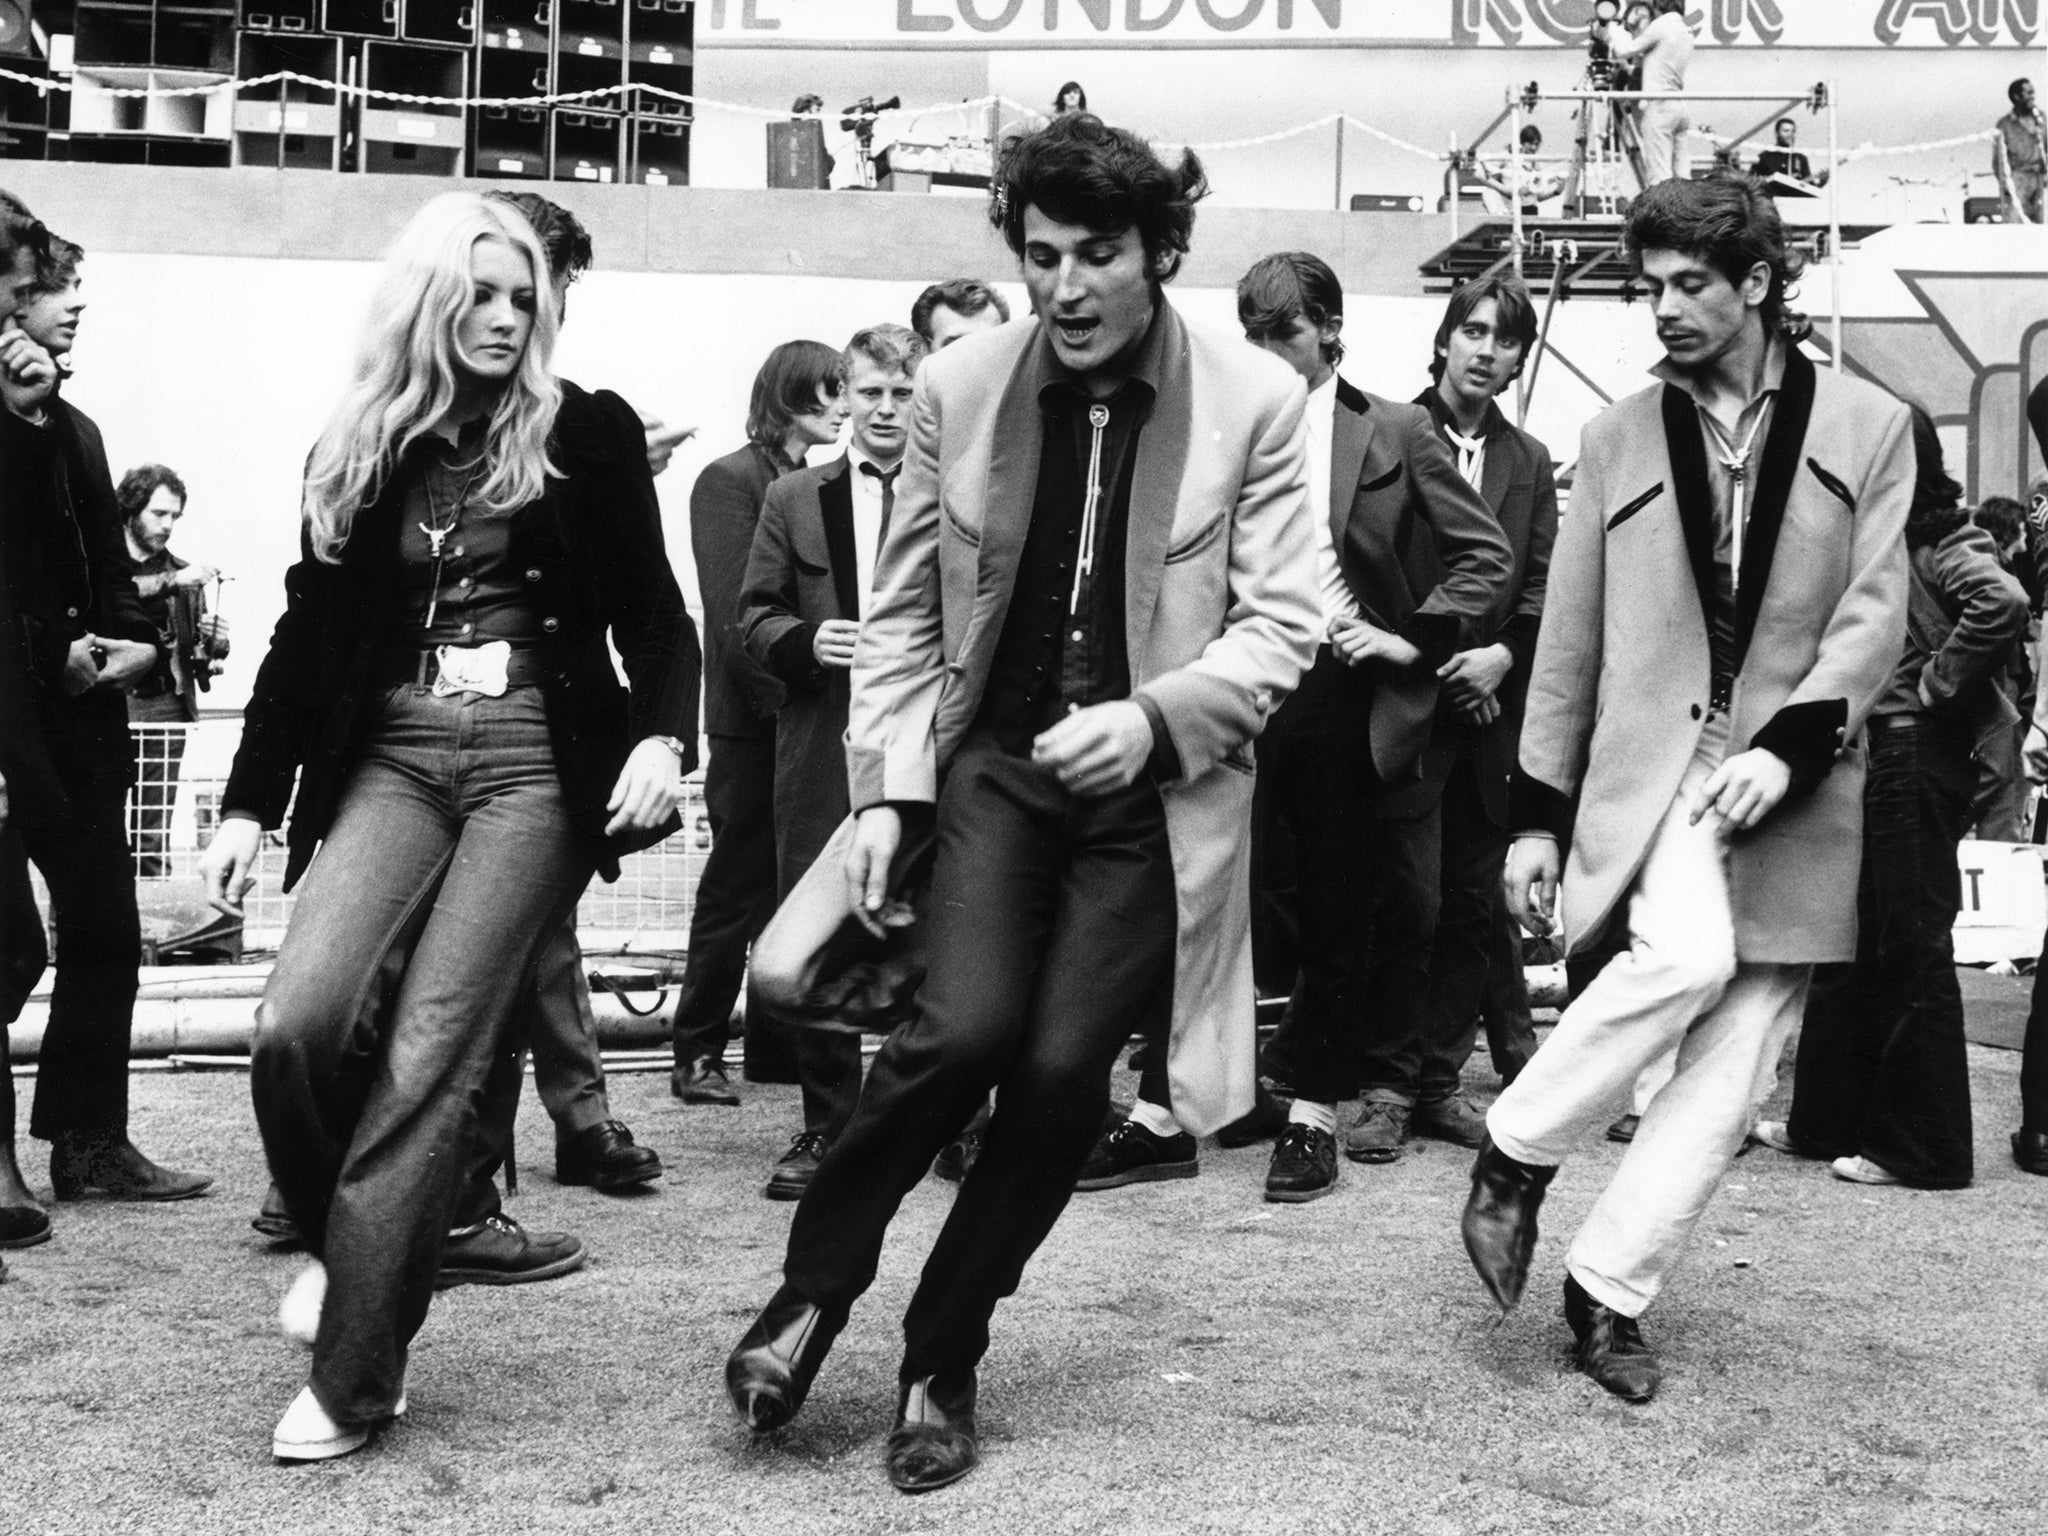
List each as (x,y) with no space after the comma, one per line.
(1579,251)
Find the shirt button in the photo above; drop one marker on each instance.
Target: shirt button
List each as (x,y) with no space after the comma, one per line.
(468,628)
(1695,711)
(457,551)
(70,613)
(1076,636)
(1073,709)
(466,583)
(533,574)
(551,625)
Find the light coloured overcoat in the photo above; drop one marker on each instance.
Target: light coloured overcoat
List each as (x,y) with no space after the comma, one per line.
(1220,612)
(1619,692)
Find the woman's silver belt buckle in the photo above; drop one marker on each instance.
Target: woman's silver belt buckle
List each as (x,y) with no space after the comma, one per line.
(471,669)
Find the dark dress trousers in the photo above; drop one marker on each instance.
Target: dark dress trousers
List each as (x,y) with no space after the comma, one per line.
(1443,835)
(802,572)
(1883,1068)
(1426,560)
(66,566)
(736,893)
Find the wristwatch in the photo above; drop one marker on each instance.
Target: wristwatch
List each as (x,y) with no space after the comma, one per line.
(675,745)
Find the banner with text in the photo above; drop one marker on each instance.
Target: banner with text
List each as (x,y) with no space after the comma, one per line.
(971,25)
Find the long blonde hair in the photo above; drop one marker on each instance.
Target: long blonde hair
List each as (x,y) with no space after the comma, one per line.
(407,370)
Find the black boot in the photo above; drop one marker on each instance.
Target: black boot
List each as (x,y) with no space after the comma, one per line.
(1500,1221)
(771,1369)
(935,1441)
(1610,1347)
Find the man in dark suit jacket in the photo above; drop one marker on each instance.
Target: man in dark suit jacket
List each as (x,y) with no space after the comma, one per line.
(795,406)
(1382,485)
(806,592)
(1447,830)
(85,636)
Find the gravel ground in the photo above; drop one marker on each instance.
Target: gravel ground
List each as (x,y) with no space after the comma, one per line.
(1183,1358)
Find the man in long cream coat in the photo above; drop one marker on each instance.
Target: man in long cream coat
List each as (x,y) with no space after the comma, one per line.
(1726,599)
(1097,585)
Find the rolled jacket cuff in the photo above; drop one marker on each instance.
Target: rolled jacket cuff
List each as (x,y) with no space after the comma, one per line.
(1164,763)
(1538,809)
(1808,737)
(1436,635)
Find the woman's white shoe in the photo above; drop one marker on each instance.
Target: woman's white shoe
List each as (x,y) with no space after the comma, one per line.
(298,1315)
(306,1433)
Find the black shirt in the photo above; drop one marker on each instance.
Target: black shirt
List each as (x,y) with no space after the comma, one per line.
(474,591)
(1062,646)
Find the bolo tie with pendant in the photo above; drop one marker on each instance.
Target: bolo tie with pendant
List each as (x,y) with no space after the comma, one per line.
(1098,420)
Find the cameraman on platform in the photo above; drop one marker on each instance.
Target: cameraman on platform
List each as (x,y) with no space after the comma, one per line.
(1665,49)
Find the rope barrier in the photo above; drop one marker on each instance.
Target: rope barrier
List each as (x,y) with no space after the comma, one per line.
(46,84)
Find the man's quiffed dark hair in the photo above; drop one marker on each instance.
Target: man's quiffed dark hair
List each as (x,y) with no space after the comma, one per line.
(18,228)
(1513,310)
(143,482)
(1730,223)
(2012,92)
(1079,170)
(57,266)
(963,295)
(561,233)
(2003,518)
(790,384)
(1277,290)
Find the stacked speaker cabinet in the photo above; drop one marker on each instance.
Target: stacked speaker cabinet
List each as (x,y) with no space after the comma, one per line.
(142,69)
(288,124)
(146,83)
(658,66)
(418,138)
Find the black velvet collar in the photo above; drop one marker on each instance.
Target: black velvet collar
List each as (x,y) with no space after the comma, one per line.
(1777,466)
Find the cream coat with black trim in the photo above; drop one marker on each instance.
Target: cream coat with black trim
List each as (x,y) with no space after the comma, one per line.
(1618,694)
(1220,610)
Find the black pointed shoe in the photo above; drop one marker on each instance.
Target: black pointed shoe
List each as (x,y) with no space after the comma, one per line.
(2030,1151)
(1610,1347)
(935,1441)
(107,1161)
(605,1156)
(771,1370)
(1500,1221)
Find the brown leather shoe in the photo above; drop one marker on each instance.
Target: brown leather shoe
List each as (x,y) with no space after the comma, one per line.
(935,1441)
(107,1161)
(770,1370)
(1500,1221)
(1610,1347)
(1449,1119)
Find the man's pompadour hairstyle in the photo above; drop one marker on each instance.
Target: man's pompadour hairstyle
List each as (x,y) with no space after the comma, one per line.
(1079,170)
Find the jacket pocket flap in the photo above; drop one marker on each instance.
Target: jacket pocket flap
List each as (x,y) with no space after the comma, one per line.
(971,535)
(1833,483)
(1380,482)
(1635,506)
(1199,540)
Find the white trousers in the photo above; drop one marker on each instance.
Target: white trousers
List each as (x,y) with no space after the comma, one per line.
(1661,127)
(1677,986)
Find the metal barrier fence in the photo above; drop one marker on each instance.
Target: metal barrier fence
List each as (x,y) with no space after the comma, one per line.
(182,770)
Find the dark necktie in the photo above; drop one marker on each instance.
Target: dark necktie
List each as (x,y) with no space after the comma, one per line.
(888,479)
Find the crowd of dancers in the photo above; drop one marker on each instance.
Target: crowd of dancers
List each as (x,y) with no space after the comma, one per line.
(1110,641)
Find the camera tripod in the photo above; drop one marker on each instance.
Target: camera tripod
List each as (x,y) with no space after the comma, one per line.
(1605,145)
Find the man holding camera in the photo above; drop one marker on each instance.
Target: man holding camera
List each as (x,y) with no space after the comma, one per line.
(1665,49)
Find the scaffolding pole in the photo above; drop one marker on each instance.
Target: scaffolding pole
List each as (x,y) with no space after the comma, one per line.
(1835,225)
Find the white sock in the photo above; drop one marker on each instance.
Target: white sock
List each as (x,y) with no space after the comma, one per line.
(1322,1116)
(298,1315)
(1152,1117)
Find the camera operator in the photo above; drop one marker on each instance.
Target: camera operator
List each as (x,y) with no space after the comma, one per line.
(1664,48)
